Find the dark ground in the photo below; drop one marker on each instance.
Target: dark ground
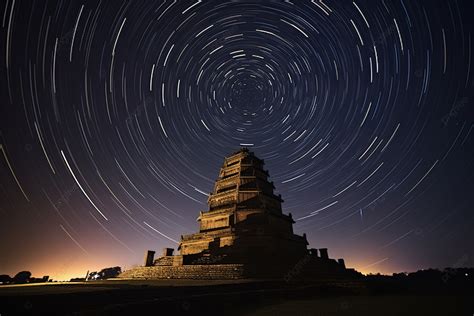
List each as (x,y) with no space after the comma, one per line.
(181,297)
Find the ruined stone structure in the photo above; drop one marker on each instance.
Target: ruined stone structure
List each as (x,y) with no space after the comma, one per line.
(244,233)
(245,221)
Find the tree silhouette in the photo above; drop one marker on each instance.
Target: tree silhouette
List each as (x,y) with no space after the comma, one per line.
(22,277)
(5,279)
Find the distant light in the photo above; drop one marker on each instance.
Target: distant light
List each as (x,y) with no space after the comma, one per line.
(467,274)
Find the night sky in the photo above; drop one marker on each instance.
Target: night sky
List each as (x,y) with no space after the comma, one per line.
(116,117)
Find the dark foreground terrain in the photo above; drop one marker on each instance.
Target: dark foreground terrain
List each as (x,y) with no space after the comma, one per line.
(181,297)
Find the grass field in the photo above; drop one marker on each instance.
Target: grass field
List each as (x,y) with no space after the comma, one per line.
(240,297)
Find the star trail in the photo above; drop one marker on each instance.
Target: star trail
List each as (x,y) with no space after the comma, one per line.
(116,117)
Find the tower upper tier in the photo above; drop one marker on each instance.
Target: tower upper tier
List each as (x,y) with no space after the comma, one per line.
(243,183)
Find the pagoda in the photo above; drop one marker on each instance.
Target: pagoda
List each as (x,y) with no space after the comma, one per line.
(244,222)
(243,234)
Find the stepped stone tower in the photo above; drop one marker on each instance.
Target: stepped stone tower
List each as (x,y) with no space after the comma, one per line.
(243,234)
(245,221)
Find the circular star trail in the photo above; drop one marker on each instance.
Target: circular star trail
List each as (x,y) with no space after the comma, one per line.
(116,117)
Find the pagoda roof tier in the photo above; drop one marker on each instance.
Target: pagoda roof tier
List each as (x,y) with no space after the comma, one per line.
(228,231)
(223,211)
(242,152)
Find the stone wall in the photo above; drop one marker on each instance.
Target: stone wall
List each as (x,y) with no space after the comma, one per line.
(199,272)
(164,261)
